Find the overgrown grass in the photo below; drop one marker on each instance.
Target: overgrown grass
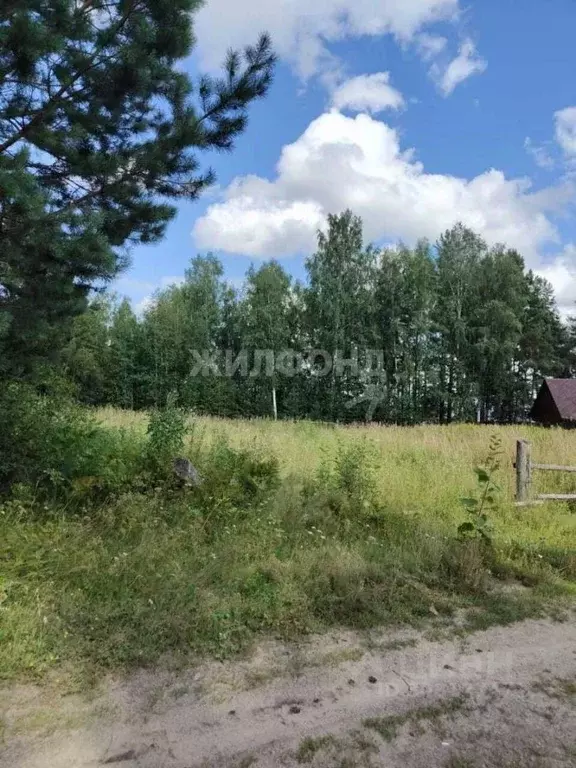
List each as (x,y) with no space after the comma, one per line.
(423,469)
(297,527)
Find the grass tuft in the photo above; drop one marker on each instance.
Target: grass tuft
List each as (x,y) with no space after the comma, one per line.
(310,746)
(387,727)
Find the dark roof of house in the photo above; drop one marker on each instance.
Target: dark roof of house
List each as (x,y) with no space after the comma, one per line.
(563,392)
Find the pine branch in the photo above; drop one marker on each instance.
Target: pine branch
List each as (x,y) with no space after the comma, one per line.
(234,93)
(56,99)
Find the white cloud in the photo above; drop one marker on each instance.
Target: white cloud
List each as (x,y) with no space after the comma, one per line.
(430,46)
(566,130)
(302,30)
(539,154)
(343,162)
(265,224)
(561,273)
(367,93)
(466,64)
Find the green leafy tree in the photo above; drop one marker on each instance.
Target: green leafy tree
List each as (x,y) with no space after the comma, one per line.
(464,331)
(100,132)
(570,347)
(497,329)
(405,298)
(86,356)
(123,354)
(265,325)
(544,348)
(459,255)
(339,308)
(184,322)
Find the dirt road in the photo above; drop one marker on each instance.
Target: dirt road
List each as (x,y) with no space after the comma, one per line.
(505,697)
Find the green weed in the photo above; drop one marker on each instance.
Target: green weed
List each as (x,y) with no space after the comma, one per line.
(166,432)
(479,525)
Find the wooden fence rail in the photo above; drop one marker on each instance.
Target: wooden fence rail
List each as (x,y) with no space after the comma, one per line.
(524,468)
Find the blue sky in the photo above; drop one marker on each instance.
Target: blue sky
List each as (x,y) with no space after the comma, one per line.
(414,113)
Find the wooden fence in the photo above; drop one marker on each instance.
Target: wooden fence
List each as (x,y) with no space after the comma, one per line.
(524,469)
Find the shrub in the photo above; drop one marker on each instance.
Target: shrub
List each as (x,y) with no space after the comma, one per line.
(166,434)
(53,446)
(355,472)
(350,476)
(236,479)
(342,496)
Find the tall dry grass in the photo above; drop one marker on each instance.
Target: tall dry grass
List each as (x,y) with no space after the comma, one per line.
(422,471)
(358,527)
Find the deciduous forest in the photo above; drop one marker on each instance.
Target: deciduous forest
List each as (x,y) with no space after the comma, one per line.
(444,332)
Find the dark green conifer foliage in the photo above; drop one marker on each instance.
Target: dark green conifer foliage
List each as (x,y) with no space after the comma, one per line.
(100,133)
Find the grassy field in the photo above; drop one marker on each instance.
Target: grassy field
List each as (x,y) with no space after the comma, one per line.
(425,466)
(298,527)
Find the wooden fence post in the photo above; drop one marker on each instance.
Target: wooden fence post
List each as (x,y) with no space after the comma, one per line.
(523,470)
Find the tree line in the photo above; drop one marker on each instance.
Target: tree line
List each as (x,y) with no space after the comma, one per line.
(454,331)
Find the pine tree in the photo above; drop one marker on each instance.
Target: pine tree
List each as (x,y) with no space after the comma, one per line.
(45,270)
(99,134)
